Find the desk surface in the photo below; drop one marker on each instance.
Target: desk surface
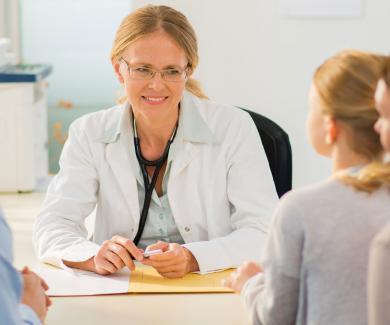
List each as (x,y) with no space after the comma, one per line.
(137,309)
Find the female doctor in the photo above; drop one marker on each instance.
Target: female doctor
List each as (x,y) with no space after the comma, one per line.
(167,169)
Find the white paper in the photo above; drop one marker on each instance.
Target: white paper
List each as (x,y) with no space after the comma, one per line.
(82,283)
(322,8)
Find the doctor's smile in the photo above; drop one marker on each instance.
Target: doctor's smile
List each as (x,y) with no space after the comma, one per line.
(154,100)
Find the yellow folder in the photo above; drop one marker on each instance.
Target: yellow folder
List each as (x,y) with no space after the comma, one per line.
(145,279)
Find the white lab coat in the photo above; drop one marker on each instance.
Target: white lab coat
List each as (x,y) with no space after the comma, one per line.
(220,187)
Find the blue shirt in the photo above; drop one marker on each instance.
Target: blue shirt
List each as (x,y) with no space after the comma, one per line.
(11,310)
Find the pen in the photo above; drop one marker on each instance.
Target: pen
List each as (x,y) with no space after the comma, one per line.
(152,252)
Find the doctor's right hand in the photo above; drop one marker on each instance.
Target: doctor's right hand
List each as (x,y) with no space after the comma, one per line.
(116,253)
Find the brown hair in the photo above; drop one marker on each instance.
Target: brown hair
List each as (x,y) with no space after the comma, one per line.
(149,19)
(346,85)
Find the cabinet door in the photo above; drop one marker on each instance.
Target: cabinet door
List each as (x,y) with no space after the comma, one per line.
(16,137)
(41,157)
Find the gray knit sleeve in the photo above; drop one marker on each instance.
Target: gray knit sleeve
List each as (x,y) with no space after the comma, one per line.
(273,297)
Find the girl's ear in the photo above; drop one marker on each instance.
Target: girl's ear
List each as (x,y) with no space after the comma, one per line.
(331,129)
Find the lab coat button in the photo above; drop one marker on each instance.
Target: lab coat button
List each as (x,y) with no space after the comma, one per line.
(187,229)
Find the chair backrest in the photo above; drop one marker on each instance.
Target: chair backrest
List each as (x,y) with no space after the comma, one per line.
(277,147)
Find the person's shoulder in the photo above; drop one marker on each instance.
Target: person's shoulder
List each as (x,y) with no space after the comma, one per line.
(218,111)
(383,238)
(332,194)
(99,118)
(311,191)
(93,127)
(224,120)
(300,200)
(5,238)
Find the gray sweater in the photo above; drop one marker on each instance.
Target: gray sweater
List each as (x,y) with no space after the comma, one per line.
(379,279)
(315,260)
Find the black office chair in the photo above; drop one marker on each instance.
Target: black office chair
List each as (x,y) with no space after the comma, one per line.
(278,150)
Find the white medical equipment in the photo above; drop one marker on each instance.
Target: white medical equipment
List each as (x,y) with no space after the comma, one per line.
(23,124)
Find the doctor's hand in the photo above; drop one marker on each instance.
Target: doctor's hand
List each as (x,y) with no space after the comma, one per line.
(116,253)
(238,278)
(174,262)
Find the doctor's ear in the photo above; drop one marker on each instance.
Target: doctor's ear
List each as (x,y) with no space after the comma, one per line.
(189,72)
(120,68)
(331,129)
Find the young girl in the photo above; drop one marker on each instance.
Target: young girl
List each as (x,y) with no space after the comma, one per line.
(315,263)
(379,264)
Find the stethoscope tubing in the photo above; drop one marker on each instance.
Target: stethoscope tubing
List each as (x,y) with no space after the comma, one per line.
(149,185)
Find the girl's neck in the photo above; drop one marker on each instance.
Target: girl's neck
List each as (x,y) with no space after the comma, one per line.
(344,158)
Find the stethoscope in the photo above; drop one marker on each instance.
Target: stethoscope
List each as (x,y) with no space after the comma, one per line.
(149,185)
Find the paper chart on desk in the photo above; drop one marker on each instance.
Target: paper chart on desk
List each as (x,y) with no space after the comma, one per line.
(146,280)
(73,282)
(82,283)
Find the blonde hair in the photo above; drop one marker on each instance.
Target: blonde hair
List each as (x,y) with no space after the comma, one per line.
(149,19)
(346,85)
(386,72)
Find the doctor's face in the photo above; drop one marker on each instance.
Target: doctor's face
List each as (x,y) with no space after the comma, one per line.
(382,101)
(154,98)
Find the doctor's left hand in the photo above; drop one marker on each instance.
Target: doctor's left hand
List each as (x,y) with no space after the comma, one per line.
(175,261)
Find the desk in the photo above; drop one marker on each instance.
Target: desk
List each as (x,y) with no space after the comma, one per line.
(135,309)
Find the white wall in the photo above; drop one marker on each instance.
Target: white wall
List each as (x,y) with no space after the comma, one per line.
(2,18)
(253,57)
(9,24)
(76,38)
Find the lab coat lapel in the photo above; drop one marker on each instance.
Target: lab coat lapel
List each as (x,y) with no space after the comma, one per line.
(122,165)
(121,157)
(192,133)
(183,154)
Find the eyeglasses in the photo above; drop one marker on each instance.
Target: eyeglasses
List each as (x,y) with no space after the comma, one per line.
(145,73)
